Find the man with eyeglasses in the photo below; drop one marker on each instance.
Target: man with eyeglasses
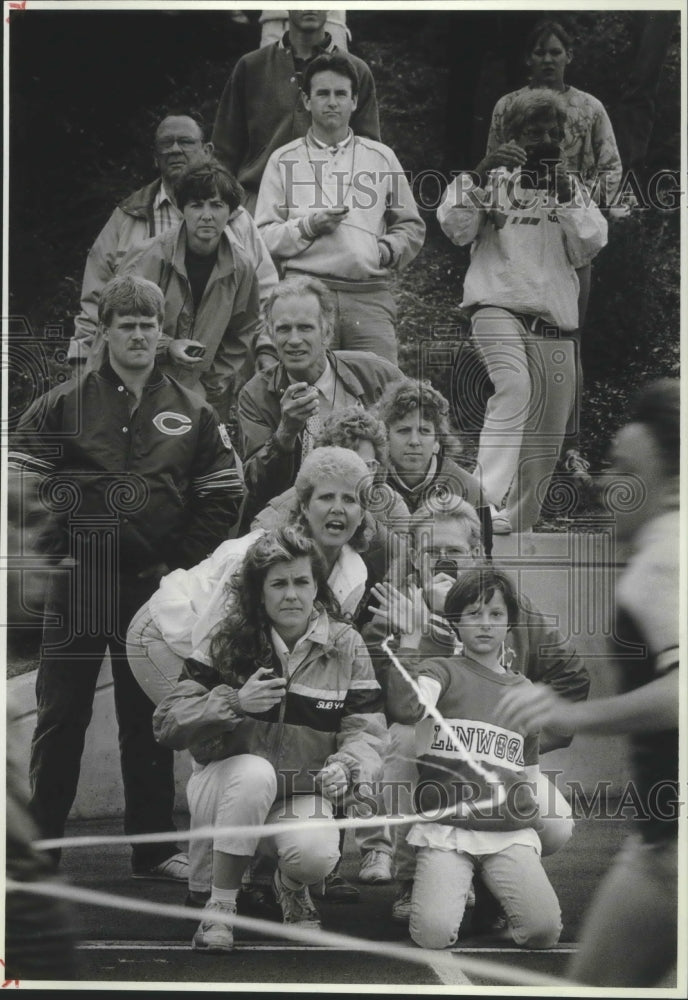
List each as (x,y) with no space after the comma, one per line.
(531,226)
(446,541)
(146,213)
(149,212)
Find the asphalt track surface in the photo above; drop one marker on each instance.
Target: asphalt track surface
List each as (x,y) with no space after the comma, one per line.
(117,946)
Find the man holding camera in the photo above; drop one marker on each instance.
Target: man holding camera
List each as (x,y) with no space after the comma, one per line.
(531,227)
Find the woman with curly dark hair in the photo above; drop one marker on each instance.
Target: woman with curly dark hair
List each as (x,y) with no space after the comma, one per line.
(180,617)
(280,724)
(328,505)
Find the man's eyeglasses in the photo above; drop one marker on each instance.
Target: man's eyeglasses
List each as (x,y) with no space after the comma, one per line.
(533,135)
(165,145)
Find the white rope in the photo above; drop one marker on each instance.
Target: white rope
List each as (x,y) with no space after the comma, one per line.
(491,777)
(264,830)
(458,811)
(404,953)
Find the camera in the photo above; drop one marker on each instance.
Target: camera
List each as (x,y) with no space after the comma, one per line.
(539,167)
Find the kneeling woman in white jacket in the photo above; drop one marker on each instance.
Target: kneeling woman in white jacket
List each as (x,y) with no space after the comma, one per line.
(287,716)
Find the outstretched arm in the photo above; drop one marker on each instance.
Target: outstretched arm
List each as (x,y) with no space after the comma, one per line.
(650,708)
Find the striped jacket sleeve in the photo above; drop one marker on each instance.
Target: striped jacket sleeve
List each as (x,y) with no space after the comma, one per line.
(217,491)
(36,444)
(363,730)
(35,452)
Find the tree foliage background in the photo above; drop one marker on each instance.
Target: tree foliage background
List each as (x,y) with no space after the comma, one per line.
(88,87)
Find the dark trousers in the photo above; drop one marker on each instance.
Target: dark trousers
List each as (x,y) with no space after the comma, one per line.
(85,615)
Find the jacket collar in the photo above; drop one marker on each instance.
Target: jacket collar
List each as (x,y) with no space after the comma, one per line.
(318,631)
(140,203)
(327,45)
(349,574)
(107,372)
(224,264)
(278,379)
(431,472)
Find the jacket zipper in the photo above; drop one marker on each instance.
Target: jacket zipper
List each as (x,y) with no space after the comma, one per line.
(277,743)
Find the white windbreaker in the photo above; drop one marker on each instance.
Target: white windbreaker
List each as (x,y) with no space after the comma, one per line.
(189,603)
(525,246)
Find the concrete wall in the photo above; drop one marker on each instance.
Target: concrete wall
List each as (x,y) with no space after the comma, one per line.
(571,577)
(568,576)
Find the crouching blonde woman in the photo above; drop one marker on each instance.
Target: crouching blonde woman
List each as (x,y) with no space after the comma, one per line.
(287,716)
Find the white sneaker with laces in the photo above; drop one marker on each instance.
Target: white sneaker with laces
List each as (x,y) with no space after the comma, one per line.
(501,524)
(297,905)
(173,869)
(376,867)
(213,936)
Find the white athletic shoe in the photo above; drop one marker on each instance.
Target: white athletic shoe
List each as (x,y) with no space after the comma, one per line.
(211,935)
(376,867)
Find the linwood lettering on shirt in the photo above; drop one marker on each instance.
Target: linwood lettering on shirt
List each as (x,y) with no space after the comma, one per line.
(489,743)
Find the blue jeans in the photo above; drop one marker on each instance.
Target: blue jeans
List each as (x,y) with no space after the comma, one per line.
(84,617)
(366,322)
(516,878)
(155,666)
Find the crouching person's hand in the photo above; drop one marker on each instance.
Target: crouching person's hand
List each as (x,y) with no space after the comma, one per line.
(332,781)
(261,692)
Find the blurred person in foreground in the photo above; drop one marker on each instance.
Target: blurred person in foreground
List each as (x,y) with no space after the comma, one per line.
(630,934)
(39,931)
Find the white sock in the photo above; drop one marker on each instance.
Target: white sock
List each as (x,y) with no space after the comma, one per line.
(226,897)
